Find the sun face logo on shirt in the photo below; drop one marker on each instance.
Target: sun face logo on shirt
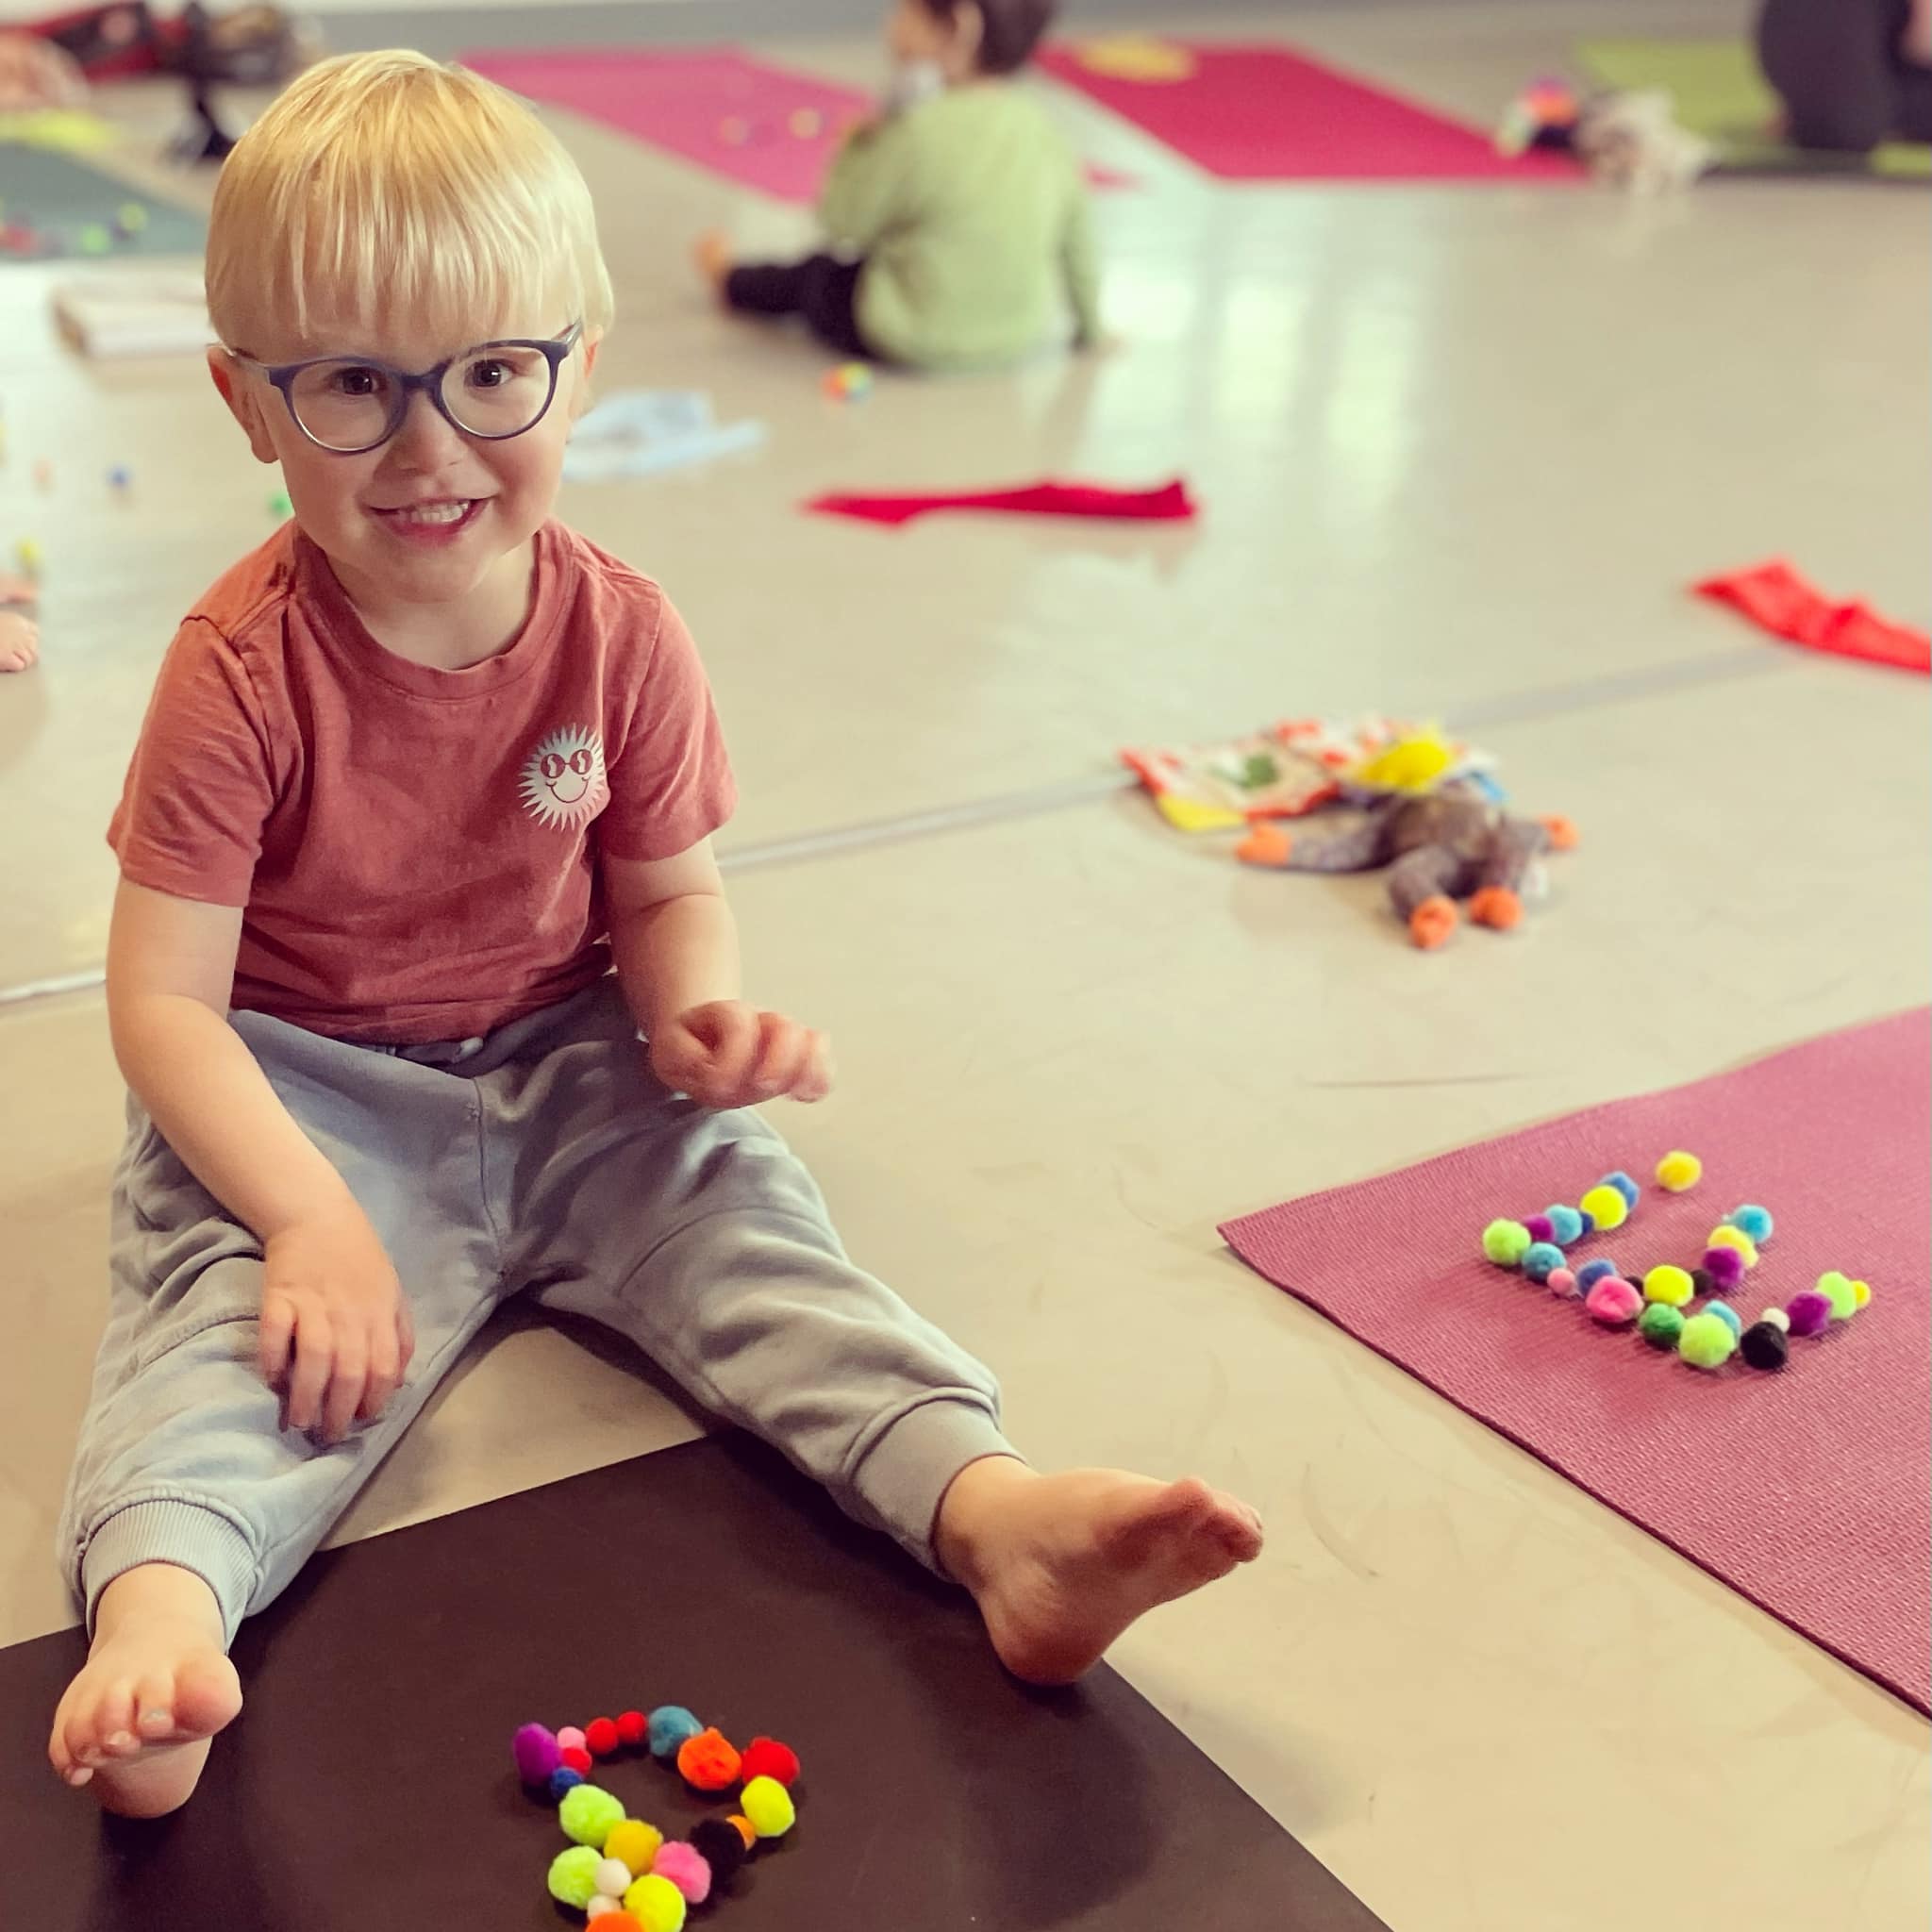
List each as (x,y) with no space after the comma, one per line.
(563,781)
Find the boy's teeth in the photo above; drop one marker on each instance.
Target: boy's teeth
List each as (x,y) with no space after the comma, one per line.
(433,513)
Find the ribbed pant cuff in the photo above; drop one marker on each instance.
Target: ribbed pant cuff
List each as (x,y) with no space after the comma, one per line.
(167,1530)
(906,1473)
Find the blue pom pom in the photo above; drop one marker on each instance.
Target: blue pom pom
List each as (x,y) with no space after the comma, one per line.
(1624,1186)
(669,1726)
(1539,1259)
(1566,1225)
(561,1780)
(1726,1314)
(1751,1220)
(1589,1224)
(1592,1271)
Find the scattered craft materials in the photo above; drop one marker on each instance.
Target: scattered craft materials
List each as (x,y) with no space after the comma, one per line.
(1628,138)
(1776,598)
(643,432)
(1166,503)
(850,382)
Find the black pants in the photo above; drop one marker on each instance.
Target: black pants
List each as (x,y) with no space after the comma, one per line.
(821,289)
(1836,63)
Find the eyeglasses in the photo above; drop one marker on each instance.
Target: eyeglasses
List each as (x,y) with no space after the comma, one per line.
(349,405)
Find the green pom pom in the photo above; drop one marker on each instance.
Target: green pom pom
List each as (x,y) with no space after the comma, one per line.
(1505,1242)
(1841,1292)
(589,1814)
(1660,1325)
(574,1873)
(1707,1341)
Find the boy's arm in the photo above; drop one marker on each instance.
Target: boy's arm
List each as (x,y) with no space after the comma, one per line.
(333,1323)
(676,945)
(867,191)
(1080,264)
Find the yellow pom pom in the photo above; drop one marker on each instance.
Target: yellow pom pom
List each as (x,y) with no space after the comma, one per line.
(1729,1237)
(1679,1171)
(636,1843)
(1607,1208)
(1670,1286)
(769,1806)
(656,1904)
(1862,1292)
(1411,764)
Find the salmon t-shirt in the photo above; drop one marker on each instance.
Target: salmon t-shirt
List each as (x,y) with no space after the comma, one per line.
(416,851)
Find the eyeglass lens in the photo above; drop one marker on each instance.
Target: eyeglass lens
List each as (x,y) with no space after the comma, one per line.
(497,391)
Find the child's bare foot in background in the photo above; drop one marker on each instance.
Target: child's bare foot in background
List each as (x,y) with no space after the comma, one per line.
(20,641)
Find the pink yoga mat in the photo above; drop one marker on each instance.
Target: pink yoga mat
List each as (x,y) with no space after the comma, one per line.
(1260,113)
(1806,1489)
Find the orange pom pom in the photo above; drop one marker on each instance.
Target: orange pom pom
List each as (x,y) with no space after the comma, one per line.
(1433,922)
(1564,837)
(707,1762)
(1267,844)
(1497,908)
(746,1830)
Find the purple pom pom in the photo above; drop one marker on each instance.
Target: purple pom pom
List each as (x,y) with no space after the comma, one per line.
(537,1754)
(1725,1267)
(1810,1312)
(1540,1228)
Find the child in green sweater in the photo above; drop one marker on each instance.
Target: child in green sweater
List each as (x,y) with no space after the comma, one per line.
(958,215)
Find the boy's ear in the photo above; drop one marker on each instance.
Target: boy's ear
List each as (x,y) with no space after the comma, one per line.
(244,401)
(580,391)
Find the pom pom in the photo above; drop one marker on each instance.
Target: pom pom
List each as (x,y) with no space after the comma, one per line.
(668,1727)
(656,1904)
(1561,1282)
(1624,1186)
(636,1843)
(708,1761)
(746,1830)
(1566,1225)
(1701,1283)
(1668,1285)
(1607,1208)
(601,1907)
(1727,1315)
(720,1846)
(587,1814)
(769,1806)
(1540,1258)
(1540,1228)
(1862,1293)
(1660,1325)
(563,1780)
(1592,1271)
(1725,1235)
(1706,1343)
(1779,1320)
(1613,1302)
(1724,1267)
(1587,1224)
(600,1737)
(767,1758)
(536,1752)
(1678,1171)
(632,1728)
(570,1739)
(684,1866)
(1763,1345)
(1808,1312)
(573,1879)
(614,1876)
(1751,1220)
(1505,1242)
(577,1759)
(1837,1288)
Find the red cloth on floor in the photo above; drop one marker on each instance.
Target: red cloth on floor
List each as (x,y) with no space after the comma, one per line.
(1775,596)
(1169,503)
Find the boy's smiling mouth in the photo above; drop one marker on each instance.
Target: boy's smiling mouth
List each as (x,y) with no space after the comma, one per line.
(440,518)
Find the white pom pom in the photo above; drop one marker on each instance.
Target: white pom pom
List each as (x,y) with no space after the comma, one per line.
(1777,1318)
(601,1904)
(613,1878)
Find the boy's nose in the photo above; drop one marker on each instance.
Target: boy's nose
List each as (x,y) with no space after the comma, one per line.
(424,439)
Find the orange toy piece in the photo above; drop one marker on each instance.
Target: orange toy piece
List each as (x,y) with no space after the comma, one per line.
(1433,922)
(746,1830)
(708,1763)
(1497,908)
(1564,837)
(1267,844)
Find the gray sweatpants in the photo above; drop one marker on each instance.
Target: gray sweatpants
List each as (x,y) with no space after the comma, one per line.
(546,1158)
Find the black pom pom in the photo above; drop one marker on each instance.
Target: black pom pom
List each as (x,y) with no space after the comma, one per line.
(1701,1283)
(718,1844)
(1636,1281)
(1764,1346)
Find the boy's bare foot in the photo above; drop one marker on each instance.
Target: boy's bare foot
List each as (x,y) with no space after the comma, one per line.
(1060,1565)
(157,1686)
(20,641)
(715,257)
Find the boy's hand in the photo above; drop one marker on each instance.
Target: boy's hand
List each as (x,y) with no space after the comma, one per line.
(336,1334)
(727,1054)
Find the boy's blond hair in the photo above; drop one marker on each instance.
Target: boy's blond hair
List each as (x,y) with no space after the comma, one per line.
(385,185)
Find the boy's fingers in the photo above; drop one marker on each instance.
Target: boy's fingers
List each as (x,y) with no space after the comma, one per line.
(784,1049)
(278,1332)
(734,1046)
(816,1081)
(345,1386)
(314,1363)
(385,1370)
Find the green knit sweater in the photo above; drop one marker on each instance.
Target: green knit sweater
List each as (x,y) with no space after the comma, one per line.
(970,212)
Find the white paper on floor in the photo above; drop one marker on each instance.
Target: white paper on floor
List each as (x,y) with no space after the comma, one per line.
(637,432)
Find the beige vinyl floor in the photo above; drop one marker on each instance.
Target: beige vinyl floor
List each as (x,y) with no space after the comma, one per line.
(1460,449)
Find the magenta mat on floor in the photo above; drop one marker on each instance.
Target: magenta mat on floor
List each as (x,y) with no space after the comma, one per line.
(1804,1490)
(1260,113)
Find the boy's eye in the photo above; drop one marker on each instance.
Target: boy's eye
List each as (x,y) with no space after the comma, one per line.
(352,379)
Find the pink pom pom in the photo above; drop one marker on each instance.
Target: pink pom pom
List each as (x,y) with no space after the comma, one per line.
(1724,1266)
(686,1867)
(1613,1302)
(1560,1281)
(1810,1312)
(1540,1228)
(572,1738)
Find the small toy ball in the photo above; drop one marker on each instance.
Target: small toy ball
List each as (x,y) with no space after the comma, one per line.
(1678,1173)
(1605,1207)
(1779,1320)
(575,1758)
(1586,1225)
(1724,1266)
(588,1813)
(1837,1288)
(1706,1343)
(1763,1345)
(1670,1286)
(746,1830)
(614,1876)
(807,124)
(1727,1315)
(604,1907)
(1505,1242)
(636,1843)
(734,131)
(632,1728)
(574,1876)
(96,238)
(1566,1225)
(132,218)
(769,1806)
(1725,1235)
(707,1762)
(535,1750)
(767,1758)
(29,556)
(280,505)
(1808,1312)
(1631,1193)
(851,382)
(1613,1302)
(1751,1220)
(1660,1325)
(1701,1283)
(1862,1293)
(1540,1258)
(1592,1271)
(685,1867)
(720,1847)
(600,1737)
(1561,1282)
(121,477)
(563,1780)
(1541,1228)
(668,1727)
(571,1739)
(656,1904)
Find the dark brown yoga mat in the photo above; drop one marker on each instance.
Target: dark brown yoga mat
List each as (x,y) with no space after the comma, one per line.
(368,1784)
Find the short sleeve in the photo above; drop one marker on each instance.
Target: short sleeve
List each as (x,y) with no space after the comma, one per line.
(201,784)
(671,785)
